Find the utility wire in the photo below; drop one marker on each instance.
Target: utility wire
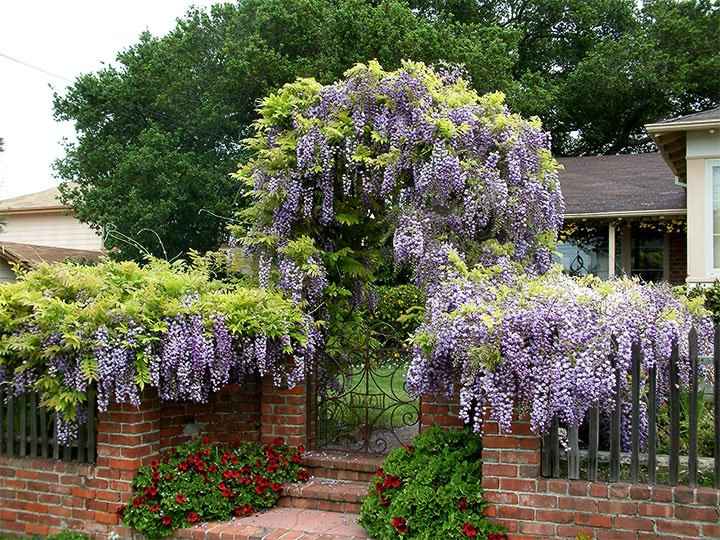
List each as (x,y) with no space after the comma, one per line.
(36,68)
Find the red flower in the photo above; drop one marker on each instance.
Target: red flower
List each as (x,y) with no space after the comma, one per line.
(399,524)
(167,521)
(154,464)
(301,449)
(380,472)
(277,441)
(469,531)
(151,492)
(183,466)
(462,504)
(244,510)
(138,502)
(296,458)
(271,468)
(155,477)
(193,517)
(212,468)
(391,482)
(180,498)
(384,502)
(497,536)
(303,475)
(276,487)
(206,440)
(155,508)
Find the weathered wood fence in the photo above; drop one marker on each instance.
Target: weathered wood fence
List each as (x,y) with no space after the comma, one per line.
(571,461)
(29,430)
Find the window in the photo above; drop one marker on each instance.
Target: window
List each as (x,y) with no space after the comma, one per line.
(647,255)
(715,176)
(586,252)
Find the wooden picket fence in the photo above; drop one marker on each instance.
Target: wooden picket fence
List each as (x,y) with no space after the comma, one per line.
(557,463)
(29,430)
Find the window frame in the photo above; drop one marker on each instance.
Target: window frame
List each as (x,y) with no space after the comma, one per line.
(710,166)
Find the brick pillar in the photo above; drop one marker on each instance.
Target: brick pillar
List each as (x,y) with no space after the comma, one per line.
(127,439)
(441,411)
(283,413)
(511,464)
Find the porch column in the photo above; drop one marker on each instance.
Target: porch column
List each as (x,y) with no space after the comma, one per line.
(626,247)
(611,250)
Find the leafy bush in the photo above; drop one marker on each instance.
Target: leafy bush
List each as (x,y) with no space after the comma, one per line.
(122,327)
(199,482)
(430,490)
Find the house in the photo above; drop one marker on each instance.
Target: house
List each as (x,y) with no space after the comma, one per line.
(690,146)
(624,214)
(37,227)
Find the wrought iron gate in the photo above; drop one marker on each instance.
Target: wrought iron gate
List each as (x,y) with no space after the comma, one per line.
(360,401)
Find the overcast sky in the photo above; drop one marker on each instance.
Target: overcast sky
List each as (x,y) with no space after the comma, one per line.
(65,38)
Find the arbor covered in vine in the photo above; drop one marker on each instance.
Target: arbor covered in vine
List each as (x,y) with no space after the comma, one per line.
(415,167)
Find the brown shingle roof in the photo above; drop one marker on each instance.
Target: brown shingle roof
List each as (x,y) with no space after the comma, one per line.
(47,199)
(624,183)
(702,116)
(30,255)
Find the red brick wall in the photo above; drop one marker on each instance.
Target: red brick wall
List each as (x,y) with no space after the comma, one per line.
(43,496)
(284,414)
(231,416)
(534,507)
(440,411)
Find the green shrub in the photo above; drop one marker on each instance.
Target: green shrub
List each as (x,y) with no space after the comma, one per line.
(430,490)
(68,535)
(199,482)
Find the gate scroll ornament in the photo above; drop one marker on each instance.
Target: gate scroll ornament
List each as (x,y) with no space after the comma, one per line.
(361,404)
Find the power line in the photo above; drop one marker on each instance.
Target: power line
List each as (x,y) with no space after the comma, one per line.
(36,68)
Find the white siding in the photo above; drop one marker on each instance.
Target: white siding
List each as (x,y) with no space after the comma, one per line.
(49,229)
(6,273)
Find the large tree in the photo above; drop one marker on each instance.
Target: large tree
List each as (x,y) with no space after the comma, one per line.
(159,131)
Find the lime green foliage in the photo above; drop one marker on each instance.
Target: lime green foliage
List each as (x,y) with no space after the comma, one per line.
(199,482)
(432,489)
(55,311)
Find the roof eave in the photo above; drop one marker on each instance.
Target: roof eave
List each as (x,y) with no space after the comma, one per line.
(38,210)
(692,125)
(627,213)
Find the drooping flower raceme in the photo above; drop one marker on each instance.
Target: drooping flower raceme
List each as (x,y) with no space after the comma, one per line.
(551,344)
(121,327)
(414,153)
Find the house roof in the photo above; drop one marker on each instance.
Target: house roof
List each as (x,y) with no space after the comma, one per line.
(702,116)
(30,255)
(48,199)
(631,184)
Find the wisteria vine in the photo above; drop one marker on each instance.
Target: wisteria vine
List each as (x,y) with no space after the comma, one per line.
(121,328)
(551,344)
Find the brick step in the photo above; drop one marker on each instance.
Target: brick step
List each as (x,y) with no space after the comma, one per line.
(342,465)
(327,494)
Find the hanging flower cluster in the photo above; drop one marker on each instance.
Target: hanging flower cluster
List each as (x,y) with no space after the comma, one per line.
(551,343)
(121,327)
(406,165)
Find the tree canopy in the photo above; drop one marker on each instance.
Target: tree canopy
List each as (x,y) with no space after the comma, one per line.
(159,129)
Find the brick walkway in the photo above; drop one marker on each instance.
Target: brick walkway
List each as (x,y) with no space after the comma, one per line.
(281,524)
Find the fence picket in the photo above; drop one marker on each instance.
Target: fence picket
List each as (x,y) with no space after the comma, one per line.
(91,425)
(33,425)
(22,405)
(635,427)
(10,425)
(593,442)
(674,416)
(693,412)
(573,454)
(652,424)
(43,433)
(555,447)
(716,395)
(614,475)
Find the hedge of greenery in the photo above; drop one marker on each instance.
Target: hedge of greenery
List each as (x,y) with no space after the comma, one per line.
(123,327)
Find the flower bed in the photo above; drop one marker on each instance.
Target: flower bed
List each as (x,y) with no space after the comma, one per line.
(430,490)
(199,482)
